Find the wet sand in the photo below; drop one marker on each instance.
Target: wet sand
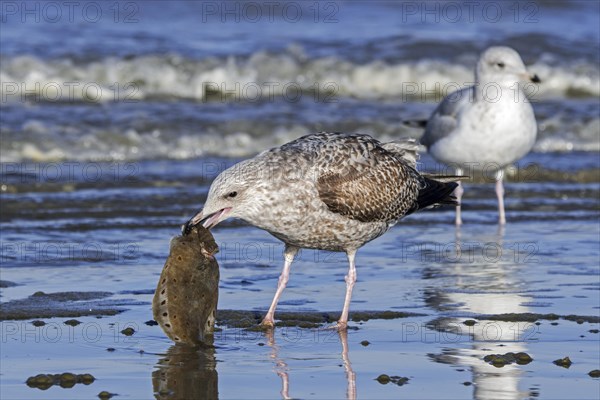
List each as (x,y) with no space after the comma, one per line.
(378,357)
(431,302)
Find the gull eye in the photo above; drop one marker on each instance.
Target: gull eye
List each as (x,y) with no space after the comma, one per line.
(500,65)
(232,195)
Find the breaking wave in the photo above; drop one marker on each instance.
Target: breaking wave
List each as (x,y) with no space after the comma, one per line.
(257,76)
(43,142)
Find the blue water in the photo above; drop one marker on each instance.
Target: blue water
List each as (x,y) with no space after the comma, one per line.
(155,80)
(364,31)
(94,183)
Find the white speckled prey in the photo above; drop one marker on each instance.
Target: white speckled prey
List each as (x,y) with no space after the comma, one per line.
(329,191)
(487,126)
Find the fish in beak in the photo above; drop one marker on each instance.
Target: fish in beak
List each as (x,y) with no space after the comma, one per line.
(207,221)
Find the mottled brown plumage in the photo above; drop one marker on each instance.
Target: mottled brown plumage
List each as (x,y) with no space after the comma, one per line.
(360,193)
(185,301)
(362,179)
(329,191)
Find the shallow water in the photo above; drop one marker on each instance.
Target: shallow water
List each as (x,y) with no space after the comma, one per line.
(113,236)
(94,184)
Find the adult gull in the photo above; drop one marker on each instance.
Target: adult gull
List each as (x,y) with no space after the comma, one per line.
(487,126)
(328,191)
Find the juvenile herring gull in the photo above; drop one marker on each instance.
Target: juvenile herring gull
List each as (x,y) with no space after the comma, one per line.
(487,126)
(328,191)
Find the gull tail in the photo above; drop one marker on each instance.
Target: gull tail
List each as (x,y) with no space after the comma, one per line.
(444,178)
(436,191)
(416,123)
(406,148)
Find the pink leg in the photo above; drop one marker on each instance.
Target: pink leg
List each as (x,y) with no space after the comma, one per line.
(350,374)
(289,254)
(350,280)
(458,192)
(500,195)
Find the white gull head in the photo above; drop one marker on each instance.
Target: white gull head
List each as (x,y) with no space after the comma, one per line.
(503,66)
(235,193)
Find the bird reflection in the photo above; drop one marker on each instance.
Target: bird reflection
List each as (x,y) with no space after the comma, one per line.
(186,372)
(282,368)
(500,232)
(350,374)
(486,285)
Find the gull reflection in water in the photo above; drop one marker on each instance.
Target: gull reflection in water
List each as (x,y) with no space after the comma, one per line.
(481,283)
(282,368)
(350,374)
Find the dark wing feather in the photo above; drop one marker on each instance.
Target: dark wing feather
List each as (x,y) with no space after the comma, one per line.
(379,187)
(434,193)
(361,178)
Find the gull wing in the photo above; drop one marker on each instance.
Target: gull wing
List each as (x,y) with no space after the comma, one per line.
(360,179)
(444,118)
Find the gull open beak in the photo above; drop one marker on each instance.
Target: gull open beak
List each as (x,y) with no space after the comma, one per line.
(207,221)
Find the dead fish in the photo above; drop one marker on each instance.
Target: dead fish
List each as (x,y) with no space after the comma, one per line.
(185,301)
